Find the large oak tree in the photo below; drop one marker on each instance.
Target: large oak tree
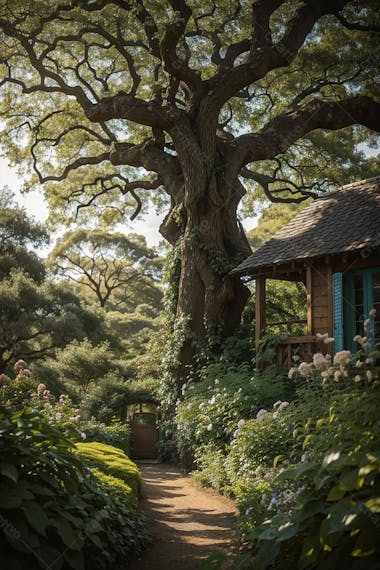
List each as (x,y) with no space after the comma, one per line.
(193,101)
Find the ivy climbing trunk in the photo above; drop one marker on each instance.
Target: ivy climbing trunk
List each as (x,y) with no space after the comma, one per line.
(213,242)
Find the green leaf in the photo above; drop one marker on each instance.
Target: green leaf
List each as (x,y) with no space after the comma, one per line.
(321,481)
(310,548)
(93,526)
(96,540)
(74,559)
(319,423)
(296,472)
(286,531)
(36,516)
(311,509)
(336,493)
(373,505)
(70,536)
(277,459)
(9,471)
(307,440)
(351,480)
(10,502)
(366,470)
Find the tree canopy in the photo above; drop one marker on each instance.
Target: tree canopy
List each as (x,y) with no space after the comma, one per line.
(36,315)
(192,103)
(119,270)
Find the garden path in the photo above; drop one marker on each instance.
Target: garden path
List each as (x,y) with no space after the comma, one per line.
(187,523)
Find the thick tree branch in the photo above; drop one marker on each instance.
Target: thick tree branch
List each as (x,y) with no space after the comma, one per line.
(261,13)
(147,155)
(285,129)
(227,82)
(150,156)
(126,106)
(173,33)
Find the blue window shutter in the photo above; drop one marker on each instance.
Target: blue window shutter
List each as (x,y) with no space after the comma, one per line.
(337,289)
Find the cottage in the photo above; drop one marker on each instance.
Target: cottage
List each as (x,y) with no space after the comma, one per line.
(333,247)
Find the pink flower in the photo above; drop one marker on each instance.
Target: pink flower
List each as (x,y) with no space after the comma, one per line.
(3,377)
(62,399)
(41,388)
(58,416)
(26,372)
(20,364)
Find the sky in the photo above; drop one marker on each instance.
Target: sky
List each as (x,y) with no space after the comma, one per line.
(35,206)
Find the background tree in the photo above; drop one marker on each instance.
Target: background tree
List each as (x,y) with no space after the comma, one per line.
(121,271)
(36,315)
(195,101)
(81,364)
(18,235)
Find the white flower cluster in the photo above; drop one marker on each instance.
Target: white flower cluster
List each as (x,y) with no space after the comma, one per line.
(342,358)
(325,338)
(342,366)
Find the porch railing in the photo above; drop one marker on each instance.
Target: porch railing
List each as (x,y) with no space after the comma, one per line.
(302,346)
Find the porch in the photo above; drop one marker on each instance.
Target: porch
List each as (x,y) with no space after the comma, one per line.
(304,340)
(299,348)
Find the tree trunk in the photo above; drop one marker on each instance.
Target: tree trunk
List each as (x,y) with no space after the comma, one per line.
(213,241)
(212,245)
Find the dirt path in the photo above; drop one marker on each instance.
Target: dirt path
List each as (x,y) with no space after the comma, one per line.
(187,523)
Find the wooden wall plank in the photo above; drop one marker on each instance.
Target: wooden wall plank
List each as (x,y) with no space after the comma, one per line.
(260,309)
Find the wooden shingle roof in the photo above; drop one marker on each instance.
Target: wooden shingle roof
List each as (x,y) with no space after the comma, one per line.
(345,220)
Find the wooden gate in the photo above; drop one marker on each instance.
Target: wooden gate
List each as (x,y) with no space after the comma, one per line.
(144,435)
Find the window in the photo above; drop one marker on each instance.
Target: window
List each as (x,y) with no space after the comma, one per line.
(361,293)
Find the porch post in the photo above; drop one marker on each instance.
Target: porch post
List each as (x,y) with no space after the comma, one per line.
(309,306)
(260,309)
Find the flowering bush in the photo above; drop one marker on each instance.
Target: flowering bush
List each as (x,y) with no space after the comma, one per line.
(59,411)
(332,469)
(214,408)
(15,392)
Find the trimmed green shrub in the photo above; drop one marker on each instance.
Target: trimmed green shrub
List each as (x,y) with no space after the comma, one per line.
(114,487)
(111,461)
